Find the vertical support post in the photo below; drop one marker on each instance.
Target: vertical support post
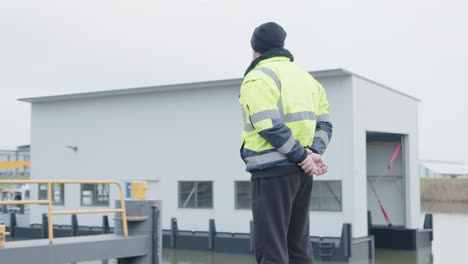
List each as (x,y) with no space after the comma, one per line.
(50,224)
(13,224)
(105,224)
(154,234)
(124,212)
(211,234)
(369,221)
(44,228)
(372,247)
(428,224)
(74,225)
(346,239)
(252,238)
(174,232)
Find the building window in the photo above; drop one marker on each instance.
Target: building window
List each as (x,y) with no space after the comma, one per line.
(95,194)
(243,195)
(58,193)
(195,194)
(326,196)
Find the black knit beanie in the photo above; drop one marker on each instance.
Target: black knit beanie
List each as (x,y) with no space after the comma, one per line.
(267,36)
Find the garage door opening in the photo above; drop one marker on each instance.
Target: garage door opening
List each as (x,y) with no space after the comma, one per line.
(386,197)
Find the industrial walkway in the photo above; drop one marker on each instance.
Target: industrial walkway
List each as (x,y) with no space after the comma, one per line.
(136,238)
(75,249)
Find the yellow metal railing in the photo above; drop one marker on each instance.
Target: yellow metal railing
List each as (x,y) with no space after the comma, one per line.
(49,201)
(14,164)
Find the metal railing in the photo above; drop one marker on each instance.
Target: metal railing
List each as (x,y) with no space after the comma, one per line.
(14,164)
(49,201)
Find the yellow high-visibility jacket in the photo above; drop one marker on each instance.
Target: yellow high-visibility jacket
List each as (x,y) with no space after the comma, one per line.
(285,110)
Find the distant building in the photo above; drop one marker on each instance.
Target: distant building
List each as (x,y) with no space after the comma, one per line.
(24,148)
(442,169)
(184,140)
(9,167)
(22,153)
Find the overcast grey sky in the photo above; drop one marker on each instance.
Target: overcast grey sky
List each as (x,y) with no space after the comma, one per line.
(54,47)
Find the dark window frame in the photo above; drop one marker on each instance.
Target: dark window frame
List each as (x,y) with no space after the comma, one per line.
(42,194)
(95,191)
(339,198)
(236,201)
(195,193)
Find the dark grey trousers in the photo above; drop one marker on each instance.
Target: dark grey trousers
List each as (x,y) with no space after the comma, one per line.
(280,207)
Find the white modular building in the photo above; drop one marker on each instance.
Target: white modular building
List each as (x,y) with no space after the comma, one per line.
(443,169)
(184,141)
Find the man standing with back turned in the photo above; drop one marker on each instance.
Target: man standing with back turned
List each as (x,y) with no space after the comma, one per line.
(286,130)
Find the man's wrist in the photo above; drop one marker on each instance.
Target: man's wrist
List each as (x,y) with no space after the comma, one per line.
(314,150)
(303,157)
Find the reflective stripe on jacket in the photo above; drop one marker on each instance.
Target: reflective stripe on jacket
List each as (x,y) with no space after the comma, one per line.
(283,105)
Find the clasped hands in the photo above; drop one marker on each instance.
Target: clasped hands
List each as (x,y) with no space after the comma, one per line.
(313,164)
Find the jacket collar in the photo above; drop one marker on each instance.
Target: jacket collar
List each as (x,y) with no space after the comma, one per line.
(273,53)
